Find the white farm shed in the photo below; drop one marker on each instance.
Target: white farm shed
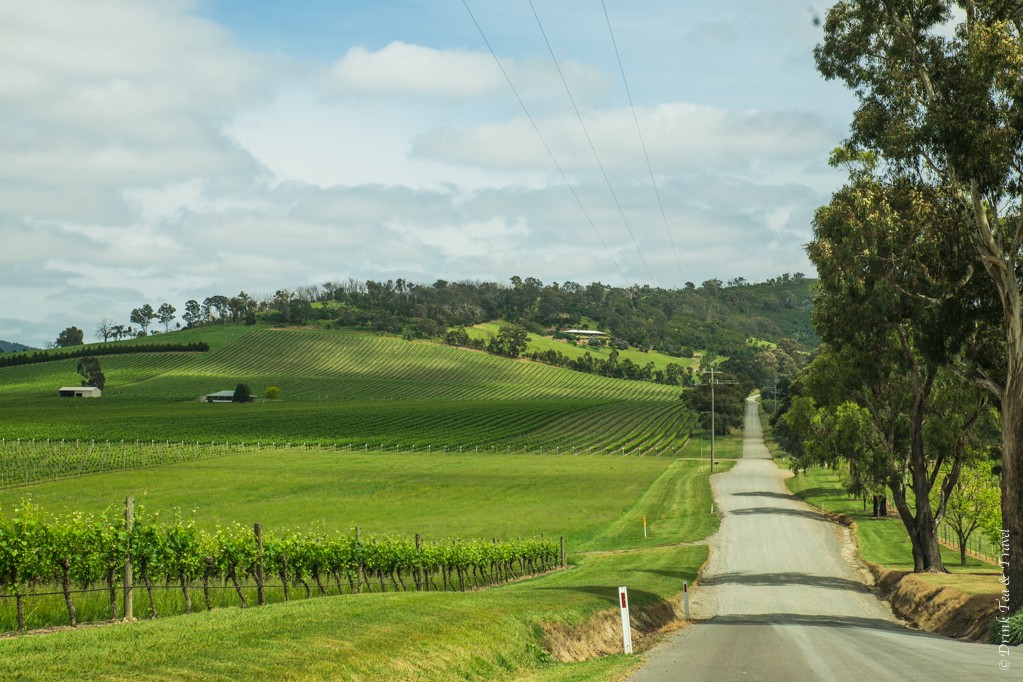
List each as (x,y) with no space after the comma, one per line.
(79,392)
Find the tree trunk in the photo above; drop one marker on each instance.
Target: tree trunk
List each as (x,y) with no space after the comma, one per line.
(184,590)
(1012,491)
(149,591)
(20,602)
(926,549)
(65,583)
(112,587)
(206,583)
(237,588)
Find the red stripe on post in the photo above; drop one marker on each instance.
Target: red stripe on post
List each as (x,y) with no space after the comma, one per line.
(622,595)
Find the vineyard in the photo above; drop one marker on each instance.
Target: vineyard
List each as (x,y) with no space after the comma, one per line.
(96,559)
(643,429)
(331,365)
(372,432)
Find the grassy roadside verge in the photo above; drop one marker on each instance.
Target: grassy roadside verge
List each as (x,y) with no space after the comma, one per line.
(881,541)
(495,634)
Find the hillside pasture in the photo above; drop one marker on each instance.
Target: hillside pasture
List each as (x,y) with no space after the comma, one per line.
(489,330)
(325,365)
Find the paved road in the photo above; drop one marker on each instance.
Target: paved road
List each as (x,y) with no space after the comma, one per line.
(780,601)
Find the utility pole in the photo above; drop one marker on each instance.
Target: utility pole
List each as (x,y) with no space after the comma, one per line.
(712,419)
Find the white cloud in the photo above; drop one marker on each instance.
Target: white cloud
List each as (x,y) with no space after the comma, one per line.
(146,156)
(404,69)
(401,70)
(680,138)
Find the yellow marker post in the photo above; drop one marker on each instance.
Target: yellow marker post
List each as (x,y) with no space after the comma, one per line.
(644,526)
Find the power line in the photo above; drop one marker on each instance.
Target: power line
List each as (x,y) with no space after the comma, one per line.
(642,143)
(590,141)
(546,146)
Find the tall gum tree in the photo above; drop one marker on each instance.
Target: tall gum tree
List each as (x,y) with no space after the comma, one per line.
(884,250)
(940,96)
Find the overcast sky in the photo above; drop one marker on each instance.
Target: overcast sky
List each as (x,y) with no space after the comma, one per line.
(157,151)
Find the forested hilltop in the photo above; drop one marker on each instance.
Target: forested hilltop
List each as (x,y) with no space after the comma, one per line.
(714,316)
(763,331)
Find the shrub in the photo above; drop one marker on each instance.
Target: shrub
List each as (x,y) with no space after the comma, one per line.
(1009,632)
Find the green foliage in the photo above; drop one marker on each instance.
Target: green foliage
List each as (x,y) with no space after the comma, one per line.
(84,551)
(975,503)
(586,427)
(72,336)
(511,341)
(92,375)
(99,350)
(1007,631)
(242,394)
(272,393)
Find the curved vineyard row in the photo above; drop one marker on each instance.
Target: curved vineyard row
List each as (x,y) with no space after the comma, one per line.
(335,365)
(122,373)
(44,556)
(618,428)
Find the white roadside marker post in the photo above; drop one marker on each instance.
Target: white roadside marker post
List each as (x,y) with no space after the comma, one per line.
(623,598)
(685,598)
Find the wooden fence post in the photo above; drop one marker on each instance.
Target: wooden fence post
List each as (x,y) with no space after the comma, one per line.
(257,528)
(129,579)
(563,557)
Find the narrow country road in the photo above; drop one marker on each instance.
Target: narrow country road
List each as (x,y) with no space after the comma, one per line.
(779,601)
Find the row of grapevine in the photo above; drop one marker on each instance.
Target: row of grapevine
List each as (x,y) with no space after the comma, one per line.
(656,431)
(308,364)
(80,556)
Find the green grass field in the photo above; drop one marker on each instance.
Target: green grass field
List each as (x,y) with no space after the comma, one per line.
(395,437)
(488,330)
(598,502)
(338,387)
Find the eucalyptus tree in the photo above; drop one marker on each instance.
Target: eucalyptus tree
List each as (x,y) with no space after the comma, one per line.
(143,316)
(166,313)
(941,98)
(891,266)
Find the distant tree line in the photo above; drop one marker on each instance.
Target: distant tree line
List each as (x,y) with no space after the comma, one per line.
(713,316)
(13,360)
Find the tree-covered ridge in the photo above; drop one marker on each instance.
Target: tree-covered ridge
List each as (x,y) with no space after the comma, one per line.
(9,347)
(122,349)
(715,316)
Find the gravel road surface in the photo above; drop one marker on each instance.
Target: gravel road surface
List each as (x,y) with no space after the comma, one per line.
(782,600)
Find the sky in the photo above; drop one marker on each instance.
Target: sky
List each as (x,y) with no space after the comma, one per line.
(165,150)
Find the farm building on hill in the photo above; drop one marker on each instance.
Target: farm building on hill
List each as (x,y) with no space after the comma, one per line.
(585,332)
(79,392)
(226,397)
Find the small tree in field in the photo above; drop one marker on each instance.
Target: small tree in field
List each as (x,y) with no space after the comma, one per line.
(242,394)
(91,373)
(272,393)
(72,336)
(973,504)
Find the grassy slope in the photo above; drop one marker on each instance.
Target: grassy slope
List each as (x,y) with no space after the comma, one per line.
(541,343)
(338,387)
(438,495)
(486,635)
